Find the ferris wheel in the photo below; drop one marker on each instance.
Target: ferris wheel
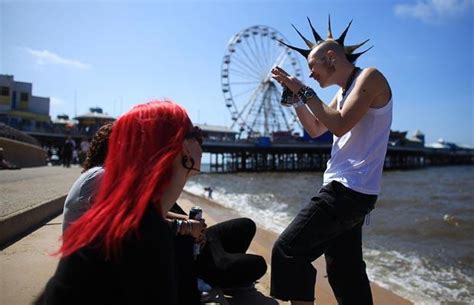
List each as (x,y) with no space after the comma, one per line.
(250,93)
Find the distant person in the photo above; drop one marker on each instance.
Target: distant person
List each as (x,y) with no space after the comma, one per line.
(359,116)
(4,164)
(84,148)
(121,250)
(67,151)
(209,191)
(75,157)
(47,149)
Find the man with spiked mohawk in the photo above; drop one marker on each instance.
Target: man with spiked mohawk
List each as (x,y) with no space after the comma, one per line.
(359,116)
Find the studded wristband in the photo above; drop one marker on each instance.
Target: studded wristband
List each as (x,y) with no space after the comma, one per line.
(306,93)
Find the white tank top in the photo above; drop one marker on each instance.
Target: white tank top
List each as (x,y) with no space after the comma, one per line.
(358,156)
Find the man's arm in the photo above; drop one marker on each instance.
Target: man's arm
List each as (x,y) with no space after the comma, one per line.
(310,123)
(371,89)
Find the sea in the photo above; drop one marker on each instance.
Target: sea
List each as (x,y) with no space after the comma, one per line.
(418,243)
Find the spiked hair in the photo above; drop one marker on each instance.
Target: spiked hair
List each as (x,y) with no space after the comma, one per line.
(348,50)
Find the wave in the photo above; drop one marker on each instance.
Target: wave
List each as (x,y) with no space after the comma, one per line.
(272,217)
(418,279)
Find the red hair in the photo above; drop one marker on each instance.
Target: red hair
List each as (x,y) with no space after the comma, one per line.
(142,147)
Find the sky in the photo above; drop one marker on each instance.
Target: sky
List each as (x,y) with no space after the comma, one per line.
(116,54)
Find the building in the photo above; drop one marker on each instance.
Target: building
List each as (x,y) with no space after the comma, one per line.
(441,144)
(63,125)
(400,139)
(217,133)
(419,135)
(19,108)
(90,122)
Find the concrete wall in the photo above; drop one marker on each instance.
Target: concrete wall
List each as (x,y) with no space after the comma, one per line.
(22,154)
(19,223)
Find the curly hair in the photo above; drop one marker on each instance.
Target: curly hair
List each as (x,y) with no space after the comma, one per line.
(98,149)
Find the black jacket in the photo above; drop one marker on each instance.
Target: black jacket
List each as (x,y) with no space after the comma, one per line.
(145,273)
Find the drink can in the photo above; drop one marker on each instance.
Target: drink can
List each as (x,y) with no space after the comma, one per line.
(196,214)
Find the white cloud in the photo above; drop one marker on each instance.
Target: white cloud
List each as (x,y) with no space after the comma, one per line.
(45,57)
(433,10)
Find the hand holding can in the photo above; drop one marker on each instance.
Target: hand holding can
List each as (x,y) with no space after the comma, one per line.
(196,214)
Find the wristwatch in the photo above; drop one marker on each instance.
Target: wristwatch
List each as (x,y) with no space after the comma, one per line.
(306,93)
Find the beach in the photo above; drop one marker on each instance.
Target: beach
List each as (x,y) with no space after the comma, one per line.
(27,263)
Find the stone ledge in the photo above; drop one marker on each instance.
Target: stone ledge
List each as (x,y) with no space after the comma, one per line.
(20,223)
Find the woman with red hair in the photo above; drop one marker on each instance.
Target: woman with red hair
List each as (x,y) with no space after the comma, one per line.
(121,250)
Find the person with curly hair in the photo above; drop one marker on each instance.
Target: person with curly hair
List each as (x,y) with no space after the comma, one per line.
(84,188)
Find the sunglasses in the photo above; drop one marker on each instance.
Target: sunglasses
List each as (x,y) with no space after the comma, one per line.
(195,133)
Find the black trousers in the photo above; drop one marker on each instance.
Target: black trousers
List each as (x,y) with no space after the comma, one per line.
(223,261)
(187,283)
(330,224)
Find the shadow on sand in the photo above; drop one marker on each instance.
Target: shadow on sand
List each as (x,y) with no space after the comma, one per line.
(250,297)
(243,297)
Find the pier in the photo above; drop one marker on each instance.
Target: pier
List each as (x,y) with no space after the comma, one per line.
(251,157)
